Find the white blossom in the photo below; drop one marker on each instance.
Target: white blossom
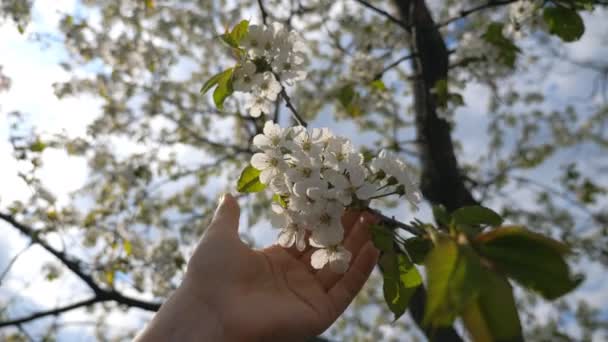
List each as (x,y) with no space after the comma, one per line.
(258,106)
(272,53)
(268,87)
(316,176)
(269,163)
(245,77)
(337,257)
(273,137)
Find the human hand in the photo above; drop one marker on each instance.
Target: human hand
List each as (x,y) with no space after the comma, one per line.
(234,293)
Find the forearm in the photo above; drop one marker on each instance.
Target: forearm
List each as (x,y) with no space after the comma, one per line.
(183,318)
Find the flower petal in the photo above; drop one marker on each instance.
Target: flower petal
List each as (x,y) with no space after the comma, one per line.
(366,191)
(339,260)
(319,258)
(286,238)
(260,161)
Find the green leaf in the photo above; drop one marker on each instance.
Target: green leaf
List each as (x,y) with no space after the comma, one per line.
(442,217)
(211,82)
(149,4)
(476,216)
(441,92)
(453,281)
(224,88)
(533,260)
(109,274)
(508,49)
(346,95)
(378,85)
(279,199)
(37,146)
(382,238)
(240,30)
(250,181)
(493,316)
(234,37)
(417,248)
(401,278)
(126,244)
(564,23)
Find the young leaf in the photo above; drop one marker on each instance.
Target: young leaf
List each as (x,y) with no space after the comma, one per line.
(234,37)
(224,88)
(128,247)
(453,281)
(401,278)
(37,146)
(533,260)
(211,82)
(240,31)
(278,199)
(250,181)
(508,49)
(564,23)
(382,238)
(346,95)
(441,216)
(417,248)
(493,316)
(378,85)
(476,215)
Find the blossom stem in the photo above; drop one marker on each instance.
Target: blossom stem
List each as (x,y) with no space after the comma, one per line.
(384,195)
(391,222)
(290,105)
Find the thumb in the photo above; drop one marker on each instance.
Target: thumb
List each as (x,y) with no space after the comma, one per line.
(226,218)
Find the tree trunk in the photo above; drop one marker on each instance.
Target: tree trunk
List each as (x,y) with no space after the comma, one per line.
(441,181)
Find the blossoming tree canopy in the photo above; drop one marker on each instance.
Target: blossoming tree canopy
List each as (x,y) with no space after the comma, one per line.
(431,111)
(313,176)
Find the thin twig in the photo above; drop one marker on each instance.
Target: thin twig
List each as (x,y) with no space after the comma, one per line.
(393,64)
(101,293)
(385,14)
(263,11)
(465,13)
(52,312)
(13,260)
(293,109)
(391,221)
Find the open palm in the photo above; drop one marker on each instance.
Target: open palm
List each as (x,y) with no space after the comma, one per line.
(274,294)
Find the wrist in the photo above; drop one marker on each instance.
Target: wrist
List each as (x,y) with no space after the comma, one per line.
(185,316)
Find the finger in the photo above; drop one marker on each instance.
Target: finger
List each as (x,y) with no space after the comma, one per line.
(225,221)
(345,290)
(295,252)
(349,218)
(359,235)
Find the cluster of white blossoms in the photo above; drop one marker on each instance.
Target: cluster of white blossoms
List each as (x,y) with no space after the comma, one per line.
(365,68)
(274,56)
(315,175)
(522,13)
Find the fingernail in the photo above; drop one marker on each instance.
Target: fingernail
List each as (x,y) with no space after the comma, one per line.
(220,201)
(367,217)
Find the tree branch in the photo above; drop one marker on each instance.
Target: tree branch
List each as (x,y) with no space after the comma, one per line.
(385,14)
(52,312)
(101,294)
(263,12)
(466,13)
(392,222)
(12,262)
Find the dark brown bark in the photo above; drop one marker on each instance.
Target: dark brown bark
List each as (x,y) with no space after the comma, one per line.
(441,179)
